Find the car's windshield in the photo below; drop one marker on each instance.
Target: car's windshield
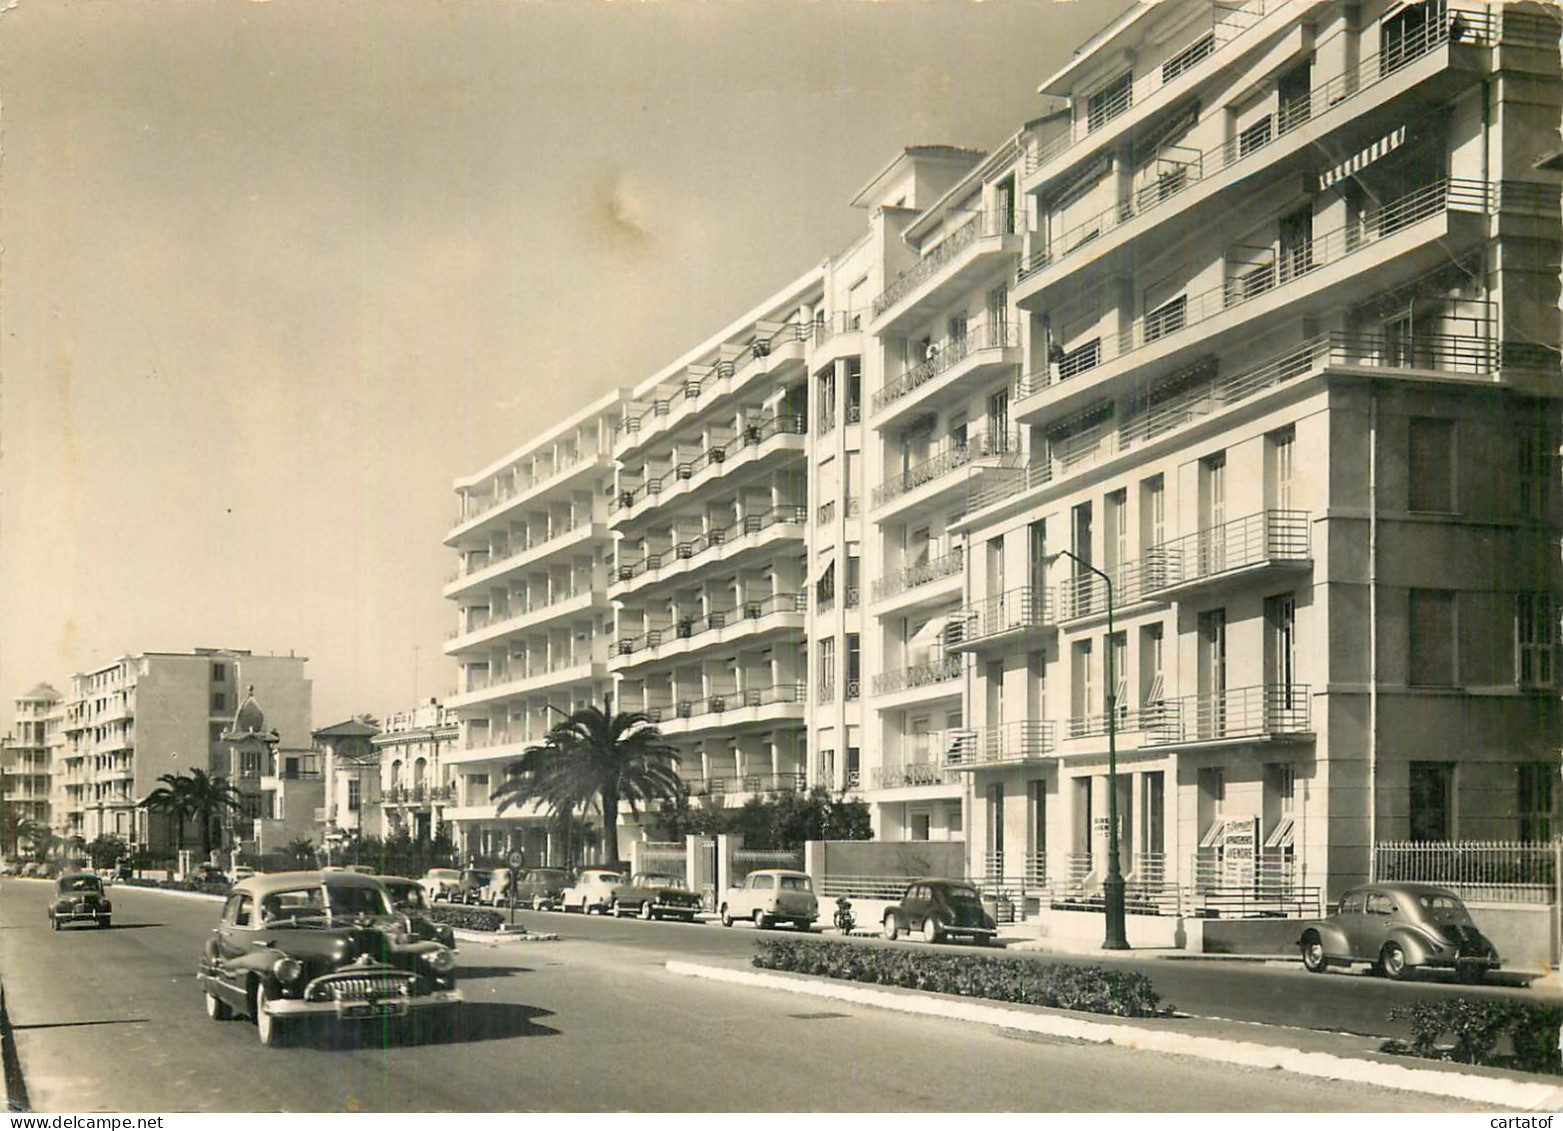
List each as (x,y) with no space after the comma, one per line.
(1444,909)
(409,896)
(603,878)
(81,883)
(297,904)
(796,883)
(346,900)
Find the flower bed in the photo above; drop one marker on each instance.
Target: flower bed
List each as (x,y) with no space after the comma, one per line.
(1475,1030)
(1091,989)
(467,918)
(174,885)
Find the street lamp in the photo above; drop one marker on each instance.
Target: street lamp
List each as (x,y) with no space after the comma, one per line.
(1112,886)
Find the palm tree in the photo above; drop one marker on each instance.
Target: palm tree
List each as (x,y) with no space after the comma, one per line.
(610,757)
(172,799)
(540,775)
(209,798)
(302,849)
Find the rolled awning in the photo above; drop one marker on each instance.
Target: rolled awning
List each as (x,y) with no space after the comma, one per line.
(1352,165)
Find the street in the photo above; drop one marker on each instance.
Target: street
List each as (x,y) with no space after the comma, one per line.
(112,1020)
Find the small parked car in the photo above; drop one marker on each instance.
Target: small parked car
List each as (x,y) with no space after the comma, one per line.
(296,946)
(541,888)
(441,884)
(938,909)
(409,898)
(1399,928)
(593,890)
(497,890)
(472,884)
(79,898)
(207,874)
(242,872)
(772,895)
(655,895)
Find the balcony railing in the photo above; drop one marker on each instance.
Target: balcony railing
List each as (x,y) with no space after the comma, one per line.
(522,551)
(746,783)
(479,623)
(419,795)
(1252,279)
(945,355)
(729,701)
(503,494)
(925,674)
(906,774)
(841,322)
(921,573)
(693,627)
(703,378)
(752,435)
(1241,712)
(1004,742)
(954,457)
(941,254)
(1267,536)
(695,547)
(1015,610)
(826,513)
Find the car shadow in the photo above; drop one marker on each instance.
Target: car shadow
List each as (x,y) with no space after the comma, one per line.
(467,973)
(475,1021)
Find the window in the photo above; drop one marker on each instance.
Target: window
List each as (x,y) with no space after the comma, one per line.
(1430,465)
(854,665)
(1281,652)
(995,843)
(1536,463)
(1534,637)
(1116,685)
(1109,101)
(1432,801)
(249,764)
(219,673)
(827,669)
(1281,449)
(954,823)
(921,825)
(1533,792)
(219,701)
(354,795)
(998,421)
(1379,904)
(1081,689)
(1431,644)
(1152,683)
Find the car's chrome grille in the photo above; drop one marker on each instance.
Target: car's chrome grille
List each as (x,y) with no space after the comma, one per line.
(362,987)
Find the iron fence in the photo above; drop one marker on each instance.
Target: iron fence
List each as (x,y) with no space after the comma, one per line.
(1492,871)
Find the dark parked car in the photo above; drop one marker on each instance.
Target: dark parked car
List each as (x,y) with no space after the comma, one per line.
(541,888)
(653,895)
(474,881)
(326,945)
(938,909)
(79,898)
(207,874)
(408,897)
(1399,928)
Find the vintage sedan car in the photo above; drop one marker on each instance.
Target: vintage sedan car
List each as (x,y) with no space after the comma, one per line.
(655,895)
(772,895)
(474,881)
(1399,928)
(409,898)
(79,898)
(541,888)
(497,890)
(295,946)
(593,890)
(207,874)
(441,884)
(938,909)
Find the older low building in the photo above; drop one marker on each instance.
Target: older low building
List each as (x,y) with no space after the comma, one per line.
(415,787)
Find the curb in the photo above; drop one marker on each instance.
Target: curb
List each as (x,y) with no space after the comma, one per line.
(494,938)
(13,1089)
(1493,1091)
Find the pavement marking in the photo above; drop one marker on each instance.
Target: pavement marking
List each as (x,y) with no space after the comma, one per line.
(1496,1091)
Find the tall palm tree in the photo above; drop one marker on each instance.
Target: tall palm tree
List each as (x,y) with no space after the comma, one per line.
(540,775)
(172,799)
(209,798)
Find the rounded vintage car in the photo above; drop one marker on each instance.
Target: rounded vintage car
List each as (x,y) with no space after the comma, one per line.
(441,884)
(298,946)
(939,908)
(655,895)
(593,890)
(541,888)
(409,898)
(79,898)
(1399,928)
(772,895)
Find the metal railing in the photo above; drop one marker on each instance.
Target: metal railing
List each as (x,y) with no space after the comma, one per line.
(751,435)
(980,225)
(954,457)
(841,322)
(504,494)
(716,704)
(826,513)
(1496,871)
(1238,712)
(1018,741)
(1016,609)
(419,794)
(553,538)
(1268,536)
(925,674)
(921,573)
(716,786)
(944,355)
(907,774)
(691,627)
(685,551)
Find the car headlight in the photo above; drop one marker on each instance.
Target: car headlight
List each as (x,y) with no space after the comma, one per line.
(288,971)
(442,961)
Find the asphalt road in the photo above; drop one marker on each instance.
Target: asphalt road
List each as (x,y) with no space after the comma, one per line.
(113,1021)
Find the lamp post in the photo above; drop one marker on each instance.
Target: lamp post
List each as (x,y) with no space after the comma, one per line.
(1112,886)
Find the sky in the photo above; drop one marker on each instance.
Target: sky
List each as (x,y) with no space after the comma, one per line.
(274,274)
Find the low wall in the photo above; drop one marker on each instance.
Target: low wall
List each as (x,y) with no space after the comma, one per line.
(1253,936)
(1522,932)
(909,858)
(1143,931)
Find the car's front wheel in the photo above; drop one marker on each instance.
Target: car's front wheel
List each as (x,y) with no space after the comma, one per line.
(931,932)
(1313,954)
(727,918)
(616,909)
(267,1027)
(762,921)
(646,911)
(1392,961)
(216,1008)
(892,927)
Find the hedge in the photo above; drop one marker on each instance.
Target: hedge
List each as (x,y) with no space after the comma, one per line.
(174,885)
(1472,1030)
(1092,989)
(467,918)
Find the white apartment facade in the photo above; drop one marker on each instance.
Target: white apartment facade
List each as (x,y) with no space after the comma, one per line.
(27,754)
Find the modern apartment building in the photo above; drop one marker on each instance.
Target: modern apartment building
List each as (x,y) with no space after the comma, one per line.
(154,713)
(26,755)
(414,751)
(532,616)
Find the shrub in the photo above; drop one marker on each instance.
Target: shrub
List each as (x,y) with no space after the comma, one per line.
(1470,1030)
(174,885)
(1092,989)
(467,918)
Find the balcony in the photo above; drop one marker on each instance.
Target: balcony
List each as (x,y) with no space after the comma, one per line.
(508,497)
(715,547)
(756,784)
(482,630)
(1018,618)
(751,706)
(1006,744)
(1418,229)
(534,554)
(416,795)
(913,677)
(914,774)
(1258,544)
(482,687)
(940,467)
(778,612)
(1265,712)
(951,367)
(1085,594)
(1181,170)
(926,572)
(968,251)
(754,442)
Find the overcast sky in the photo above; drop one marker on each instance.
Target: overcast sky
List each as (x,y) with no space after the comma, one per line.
(274,274)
